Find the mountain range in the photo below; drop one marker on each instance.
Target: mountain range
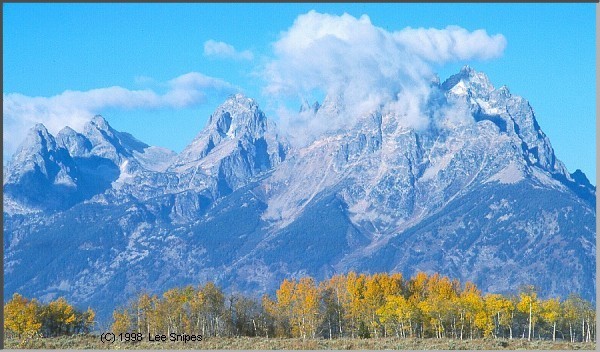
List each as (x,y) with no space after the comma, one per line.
(99,216)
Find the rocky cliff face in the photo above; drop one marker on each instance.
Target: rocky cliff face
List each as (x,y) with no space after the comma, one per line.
(42,175)
(238,143)
(477,194)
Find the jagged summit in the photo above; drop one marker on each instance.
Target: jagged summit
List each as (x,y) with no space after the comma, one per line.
(41,174)
(99,122)
(37,149)
(66,131)
(239,116)
(87,163)
(467,70)
(237,127)
(39,127)
(38,136)
(333,105)
(234,117)
(238,101)
(511,114)
(468,80)
(76,143)
(306,107)
(485,201)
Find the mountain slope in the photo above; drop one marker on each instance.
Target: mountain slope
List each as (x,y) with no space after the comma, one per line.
(477,194)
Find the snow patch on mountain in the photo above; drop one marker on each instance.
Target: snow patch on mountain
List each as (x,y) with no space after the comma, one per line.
(476,194)
(513,173)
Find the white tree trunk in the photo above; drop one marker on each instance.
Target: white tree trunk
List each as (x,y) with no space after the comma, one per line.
(529,333)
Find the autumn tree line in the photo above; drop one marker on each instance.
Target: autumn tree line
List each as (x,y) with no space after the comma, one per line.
(24,318)
(353,305)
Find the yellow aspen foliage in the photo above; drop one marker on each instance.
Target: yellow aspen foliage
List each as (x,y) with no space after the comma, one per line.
(374,297)
(356,312)
(438,305)
(337,284)
(213,311)
(285,307)
(121,322)
(88,320)
(470,303)
(59,317)
(143,313)
(305,308)
(397,313)
(270,308)
(388,312)
(176,302)
(285,296)
(500,309)
(197,305)
(579,315)
(417,286)
(530,305)
(21,316)
(355,305)
(484,322)
(551,313)
(282,308)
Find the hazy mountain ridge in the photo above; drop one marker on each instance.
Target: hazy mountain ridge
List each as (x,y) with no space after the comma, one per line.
(479,196)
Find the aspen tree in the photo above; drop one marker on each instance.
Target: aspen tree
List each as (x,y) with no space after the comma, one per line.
(550,313)
(529,304)
(21,316)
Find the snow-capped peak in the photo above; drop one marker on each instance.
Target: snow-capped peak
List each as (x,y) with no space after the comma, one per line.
(237,103)
(39,132)
(39,162)
(238,116)
(468,80)
(485,201)
(306,107)
(38,139)
(238,130)
(100,122)
(77,144)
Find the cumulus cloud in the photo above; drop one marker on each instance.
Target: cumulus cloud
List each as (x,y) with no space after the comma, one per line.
(369,67)
(191,89)
(225,51)
(75,108)
(450,44)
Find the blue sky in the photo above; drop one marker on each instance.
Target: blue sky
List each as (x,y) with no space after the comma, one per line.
(548,58)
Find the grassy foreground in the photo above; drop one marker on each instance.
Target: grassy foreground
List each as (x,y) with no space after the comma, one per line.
(258,343)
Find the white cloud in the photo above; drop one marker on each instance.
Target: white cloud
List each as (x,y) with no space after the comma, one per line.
(370,67)
(453,115)
(75,108)
(223,50)
(190,89)
(451,43)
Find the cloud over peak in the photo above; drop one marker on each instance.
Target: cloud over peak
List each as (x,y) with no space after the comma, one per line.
(369,67)
(323,51)
(451,43)
(75,108)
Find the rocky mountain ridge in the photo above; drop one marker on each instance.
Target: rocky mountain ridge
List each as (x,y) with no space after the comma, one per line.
(478,194)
